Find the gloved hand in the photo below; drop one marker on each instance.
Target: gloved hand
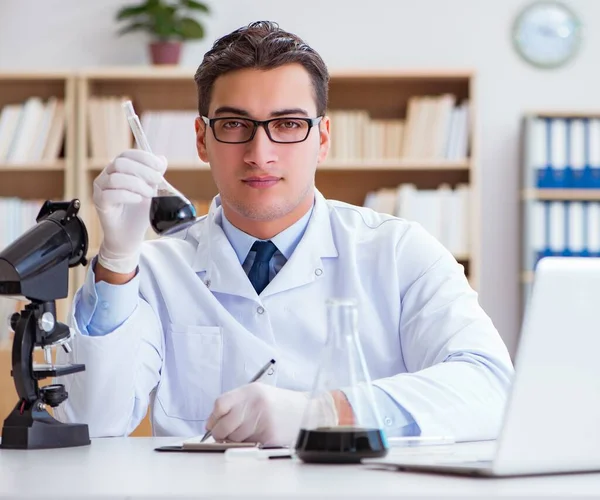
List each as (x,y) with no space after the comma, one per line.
(265,414)
(122,194)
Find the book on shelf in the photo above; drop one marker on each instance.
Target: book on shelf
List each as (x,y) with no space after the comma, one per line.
(32,131)
(435,128)
(443,212)
(172,134)
(169,133)
(564,153)
(16,217)
(108,130)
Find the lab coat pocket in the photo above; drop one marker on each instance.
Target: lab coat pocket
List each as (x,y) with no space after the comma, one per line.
(192,373)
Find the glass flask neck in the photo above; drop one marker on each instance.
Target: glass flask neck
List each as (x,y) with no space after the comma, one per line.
(343,371)
(342,322)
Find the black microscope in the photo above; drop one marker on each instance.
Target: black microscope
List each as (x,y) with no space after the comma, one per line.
(36,266)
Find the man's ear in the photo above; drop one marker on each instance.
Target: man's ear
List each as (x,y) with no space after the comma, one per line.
(201,139)
(324,139)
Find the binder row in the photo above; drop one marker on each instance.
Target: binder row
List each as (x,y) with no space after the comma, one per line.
(565,152)
(566,228)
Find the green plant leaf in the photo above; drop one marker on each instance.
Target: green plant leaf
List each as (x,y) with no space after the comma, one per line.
(139,26)
(165,23)
(127,12)
(190,29)
(192,4)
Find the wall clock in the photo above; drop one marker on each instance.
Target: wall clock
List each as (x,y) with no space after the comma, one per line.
(547,34)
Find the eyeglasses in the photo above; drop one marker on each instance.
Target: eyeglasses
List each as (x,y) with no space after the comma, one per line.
(284,130)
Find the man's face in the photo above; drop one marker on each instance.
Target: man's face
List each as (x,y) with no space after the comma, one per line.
(262,180)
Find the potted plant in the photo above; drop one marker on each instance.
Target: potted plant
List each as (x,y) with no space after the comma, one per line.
(169,24)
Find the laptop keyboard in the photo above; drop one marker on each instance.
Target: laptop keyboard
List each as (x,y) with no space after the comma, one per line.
(476,455)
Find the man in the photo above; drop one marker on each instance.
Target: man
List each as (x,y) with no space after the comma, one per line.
(183,323)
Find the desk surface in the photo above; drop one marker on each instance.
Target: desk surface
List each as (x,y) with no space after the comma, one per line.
(130,468)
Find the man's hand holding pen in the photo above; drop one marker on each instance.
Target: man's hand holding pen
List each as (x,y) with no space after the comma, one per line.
(258,412)
(272,416)
(269,415)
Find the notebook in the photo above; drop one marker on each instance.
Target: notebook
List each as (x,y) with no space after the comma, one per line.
(195,444)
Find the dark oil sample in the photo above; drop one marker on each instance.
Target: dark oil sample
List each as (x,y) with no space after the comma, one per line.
(340,444)
(169,212)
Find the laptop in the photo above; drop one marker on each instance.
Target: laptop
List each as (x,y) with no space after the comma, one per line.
(551,422)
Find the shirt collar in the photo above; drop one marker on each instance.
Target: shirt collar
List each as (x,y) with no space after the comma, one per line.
(286,241)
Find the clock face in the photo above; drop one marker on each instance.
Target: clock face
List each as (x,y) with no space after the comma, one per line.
(547,34)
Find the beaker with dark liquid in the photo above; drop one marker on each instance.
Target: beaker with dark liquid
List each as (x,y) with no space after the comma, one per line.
(170,211)
(342,371)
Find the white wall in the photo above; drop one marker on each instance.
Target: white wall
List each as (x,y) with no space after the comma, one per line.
(351,33)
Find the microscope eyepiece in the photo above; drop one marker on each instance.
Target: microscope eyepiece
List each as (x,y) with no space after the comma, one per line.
(36,264)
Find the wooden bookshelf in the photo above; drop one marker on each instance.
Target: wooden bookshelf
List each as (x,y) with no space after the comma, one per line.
(16,168)
(562,194)
(15,178)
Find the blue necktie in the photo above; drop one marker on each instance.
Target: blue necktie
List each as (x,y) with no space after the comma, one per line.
(259,272)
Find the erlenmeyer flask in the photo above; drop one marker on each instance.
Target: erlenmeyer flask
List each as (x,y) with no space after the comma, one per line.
(169,210)
(343,372)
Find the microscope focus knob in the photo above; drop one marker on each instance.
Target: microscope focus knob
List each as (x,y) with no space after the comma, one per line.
(46,322)
(14,320)
(53,395)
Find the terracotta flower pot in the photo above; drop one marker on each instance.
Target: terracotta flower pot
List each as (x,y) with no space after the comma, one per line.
(165,52)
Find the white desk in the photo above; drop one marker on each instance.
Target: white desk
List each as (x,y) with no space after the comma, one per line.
(130,468)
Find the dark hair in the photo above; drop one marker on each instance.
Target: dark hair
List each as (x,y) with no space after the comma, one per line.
(260,45)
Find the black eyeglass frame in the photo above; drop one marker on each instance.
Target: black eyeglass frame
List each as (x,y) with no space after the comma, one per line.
(264,124)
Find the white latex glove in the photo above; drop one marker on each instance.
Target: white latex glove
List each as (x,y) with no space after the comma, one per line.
(265,414)
(122,195)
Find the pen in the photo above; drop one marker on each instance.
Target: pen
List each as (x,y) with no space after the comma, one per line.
(257,454)
(260,373)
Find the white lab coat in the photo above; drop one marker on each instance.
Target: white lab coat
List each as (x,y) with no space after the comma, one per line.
(200,329)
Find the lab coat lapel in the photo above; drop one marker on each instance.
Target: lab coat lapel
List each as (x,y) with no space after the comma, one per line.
(305,265)
(223,273)
(216,261)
